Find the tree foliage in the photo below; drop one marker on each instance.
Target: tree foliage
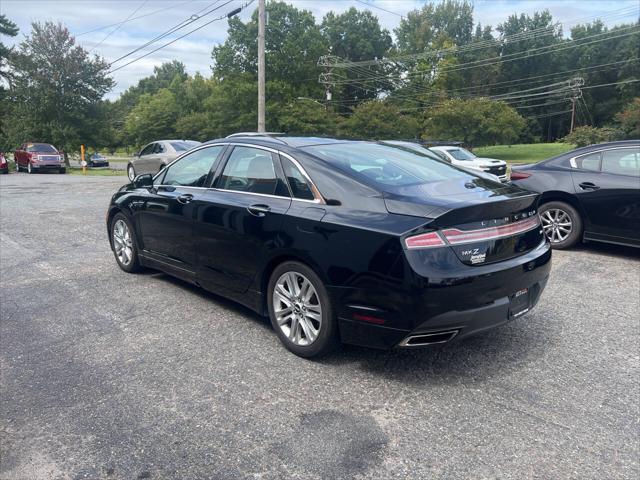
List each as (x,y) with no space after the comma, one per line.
(629,119)
(476,122)
(379,120)
(56,88)
(583,136)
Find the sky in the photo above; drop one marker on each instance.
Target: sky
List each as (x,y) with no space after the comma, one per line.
(92,23)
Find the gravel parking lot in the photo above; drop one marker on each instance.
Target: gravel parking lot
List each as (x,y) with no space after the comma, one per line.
(110,375)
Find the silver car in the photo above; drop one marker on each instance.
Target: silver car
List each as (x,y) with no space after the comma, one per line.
(156,155)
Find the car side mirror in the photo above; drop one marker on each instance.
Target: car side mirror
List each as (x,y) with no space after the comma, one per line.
(144,180)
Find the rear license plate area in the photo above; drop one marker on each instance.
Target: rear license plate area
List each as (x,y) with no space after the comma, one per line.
(519,303)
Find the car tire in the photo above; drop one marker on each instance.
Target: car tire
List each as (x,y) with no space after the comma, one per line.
(29,169)
(131,172)
(124,244)
(561,223)
(63,170)
(17,168)
(310,330)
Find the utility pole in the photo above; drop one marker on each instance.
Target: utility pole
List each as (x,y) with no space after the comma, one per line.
(261,86)
(573,112)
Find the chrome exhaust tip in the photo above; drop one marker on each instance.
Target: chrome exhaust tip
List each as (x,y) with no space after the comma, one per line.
(429,338)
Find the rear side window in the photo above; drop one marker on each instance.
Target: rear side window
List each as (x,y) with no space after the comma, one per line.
(298,183)
(159,148)
(623,161)
(589,162)
(191,170)
(250,170)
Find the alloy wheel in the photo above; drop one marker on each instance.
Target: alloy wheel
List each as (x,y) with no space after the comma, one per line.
(131,173)
(122,242)
(557,224)
(297,308)
(29,167)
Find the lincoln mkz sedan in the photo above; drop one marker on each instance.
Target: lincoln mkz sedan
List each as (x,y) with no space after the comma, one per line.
(358,242)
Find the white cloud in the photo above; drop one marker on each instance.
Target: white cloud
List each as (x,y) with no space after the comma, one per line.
(195,50)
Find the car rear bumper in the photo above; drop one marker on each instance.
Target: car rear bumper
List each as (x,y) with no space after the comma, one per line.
(458,306)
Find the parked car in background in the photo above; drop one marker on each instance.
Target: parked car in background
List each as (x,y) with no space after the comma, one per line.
(358,241)
(155,156)
(97,160)
(4,165)
(421,149)
(39,157)
(592,193)
(464,158)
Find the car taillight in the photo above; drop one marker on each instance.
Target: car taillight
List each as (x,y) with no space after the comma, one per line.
(456,237)
(424,240)
(517,175)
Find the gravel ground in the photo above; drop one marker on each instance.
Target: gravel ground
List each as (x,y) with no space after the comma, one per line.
(117,376)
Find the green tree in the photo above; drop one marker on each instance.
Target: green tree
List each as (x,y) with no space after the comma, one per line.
(153,118)
(9,29)
(475,122)
(629,119)
(583,136)
(56,88)
(357,35)
(379,120)
(293,45)
(302,117)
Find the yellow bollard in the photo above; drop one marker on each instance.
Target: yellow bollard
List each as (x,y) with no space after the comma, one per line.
(83,163)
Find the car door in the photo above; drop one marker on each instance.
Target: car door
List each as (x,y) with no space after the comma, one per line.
(607,184)
(240,219)
(141,163)
(156,157)
(19,154)
(166,217)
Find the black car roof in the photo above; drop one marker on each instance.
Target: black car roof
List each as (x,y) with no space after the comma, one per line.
(280,140)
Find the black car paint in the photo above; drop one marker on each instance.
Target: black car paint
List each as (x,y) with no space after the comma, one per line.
(353,241)
(610,210)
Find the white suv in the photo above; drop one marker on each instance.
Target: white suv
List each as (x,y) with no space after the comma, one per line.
(464,158)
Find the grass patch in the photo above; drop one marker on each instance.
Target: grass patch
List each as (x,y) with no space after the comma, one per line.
(103,172)
(525,153)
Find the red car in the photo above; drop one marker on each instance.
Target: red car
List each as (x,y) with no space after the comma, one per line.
(39,157)
(4,166)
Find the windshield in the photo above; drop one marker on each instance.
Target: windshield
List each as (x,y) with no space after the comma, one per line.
(385,165)
(41,147)
(461,154)
(184,146)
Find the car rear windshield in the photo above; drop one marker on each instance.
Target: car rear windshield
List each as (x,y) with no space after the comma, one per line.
(183,146)
(41,147)
(461,154)
(385,165)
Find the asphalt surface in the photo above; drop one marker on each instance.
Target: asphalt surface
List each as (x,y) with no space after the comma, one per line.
(110,375)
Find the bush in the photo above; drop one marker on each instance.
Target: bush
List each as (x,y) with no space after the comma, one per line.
(583,136)
(629,119)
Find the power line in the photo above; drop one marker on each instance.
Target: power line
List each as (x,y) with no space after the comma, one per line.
(134,18)
(380,8)
(180,25)
(118,26)
(222,17)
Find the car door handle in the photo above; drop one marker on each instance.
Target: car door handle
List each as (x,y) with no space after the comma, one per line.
(185,198)
(588,186)
(259,210)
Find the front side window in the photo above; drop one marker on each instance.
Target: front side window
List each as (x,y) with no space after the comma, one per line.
(147,150)
(622,161)
(192,169)
(159,148)
(298,183)
(250,170)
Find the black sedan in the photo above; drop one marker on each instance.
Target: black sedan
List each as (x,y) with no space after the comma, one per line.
(338,240)
(97,160)
(592,193)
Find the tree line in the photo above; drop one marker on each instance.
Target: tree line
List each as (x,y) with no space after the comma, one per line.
(440,76)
